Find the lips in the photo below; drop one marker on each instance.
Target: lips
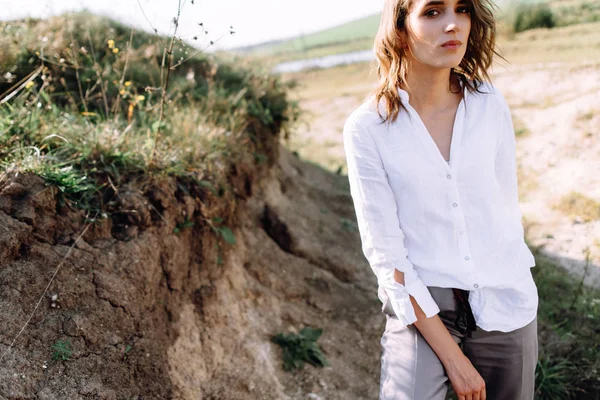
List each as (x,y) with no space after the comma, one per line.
(452,43)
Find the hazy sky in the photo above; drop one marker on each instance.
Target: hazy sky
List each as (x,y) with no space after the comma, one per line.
(254,21)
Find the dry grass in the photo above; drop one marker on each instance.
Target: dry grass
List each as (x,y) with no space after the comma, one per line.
(579,207)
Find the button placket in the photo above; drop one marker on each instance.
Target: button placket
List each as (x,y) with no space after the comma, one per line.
(463,243)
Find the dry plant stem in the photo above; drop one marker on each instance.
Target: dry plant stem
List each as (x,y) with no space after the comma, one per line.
(12,91)
(198,52)
(116,106)
(586,270)
(68,93)
(97,68)
(150,23)
(163,96)
(76,65)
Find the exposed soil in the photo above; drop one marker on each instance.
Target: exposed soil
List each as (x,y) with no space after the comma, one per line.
(152,314)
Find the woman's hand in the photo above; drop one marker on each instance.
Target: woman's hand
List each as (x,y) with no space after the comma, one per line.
(465,380)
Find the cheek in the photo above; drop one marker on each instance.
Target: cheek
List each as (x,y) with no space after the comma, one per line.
(421,31)
(467,25)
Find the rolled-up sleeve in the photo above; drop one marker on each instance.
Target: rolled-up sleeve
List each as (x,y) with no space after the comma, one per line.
(379,227)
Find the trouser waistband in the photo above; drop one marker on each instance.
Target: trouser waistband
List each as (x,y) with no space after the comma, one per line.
(464,312)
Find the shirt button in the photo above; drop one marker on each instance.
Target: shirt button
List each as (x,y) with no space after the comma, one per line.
(467,258)
(454,205)
(475,286)
(448,176)
(462,232)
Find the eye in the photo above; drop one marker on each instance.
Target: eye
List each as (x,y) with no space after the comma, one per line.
(463,10)
(432,13)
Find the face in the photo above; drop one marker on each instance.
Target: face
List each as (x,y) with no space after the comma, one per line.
(437,32)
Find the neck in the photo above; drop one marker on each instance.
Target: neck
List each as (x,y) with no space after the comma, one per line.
(429,88)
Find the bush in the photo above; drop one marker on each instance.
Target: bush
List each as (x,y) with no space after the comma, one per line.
(531,16)
(301,347)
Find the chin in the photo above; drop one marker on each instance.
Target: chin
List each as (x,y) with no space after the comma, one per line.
(452,62)
(445,65)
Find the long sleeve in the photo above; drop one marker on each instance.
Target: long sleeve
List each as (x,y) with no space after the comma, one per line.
(506,161)
(381,235)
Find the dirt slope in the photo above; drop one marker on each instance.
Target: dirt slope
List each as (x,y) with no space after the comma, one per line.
(152,315)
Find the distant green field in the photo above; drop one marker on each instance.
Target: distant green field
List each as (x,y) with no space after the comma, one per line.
(360,29)
(359,34)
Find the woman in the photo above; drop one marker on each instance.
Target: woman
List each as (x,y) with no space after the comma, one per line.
(432,170)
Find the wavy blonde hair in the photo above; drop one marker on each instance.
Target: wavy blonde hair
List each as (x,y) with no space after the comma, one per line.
(390,53)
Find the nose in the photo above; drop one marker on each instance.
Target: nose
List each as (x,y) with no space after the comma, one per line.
(452,24)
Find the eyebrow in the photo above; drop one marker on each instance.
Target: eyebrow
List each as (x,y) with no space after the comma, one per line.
(441,3)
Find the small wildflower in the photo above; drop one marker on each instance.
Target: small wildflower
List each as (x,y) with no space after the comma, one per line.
(127,83)
(37,53)
(116,50)
(29,85)
(140,98)
(122,92)
(130,111)
(111,43)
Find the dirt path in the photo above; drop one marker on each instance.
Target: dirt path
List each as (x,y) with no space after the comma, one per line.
(559,107)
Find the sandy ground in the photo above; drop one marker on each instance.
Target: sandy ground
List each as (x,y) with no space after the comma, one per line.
(556,112)
(560,107)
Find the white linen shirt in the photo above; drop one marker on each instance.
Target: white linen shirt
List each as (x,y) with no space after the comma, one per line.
(447,224)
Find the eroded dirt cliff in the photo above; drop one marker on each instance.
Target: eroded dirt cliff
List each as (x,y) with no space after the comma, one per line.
(152,313)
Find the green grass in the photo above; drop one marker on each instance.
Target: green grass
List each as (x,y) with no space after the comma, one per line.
(569,315)
(62,350)
(89,118)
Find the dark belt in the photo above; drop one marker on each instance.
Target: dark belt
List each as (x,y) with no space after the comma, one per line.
(464,312)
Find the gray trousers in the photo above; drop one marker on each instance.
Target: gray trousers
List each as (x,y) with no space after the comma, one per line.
(410,369)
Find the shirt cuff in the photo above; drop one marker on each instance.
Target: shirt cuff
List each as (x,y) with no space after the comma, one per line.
(399,297)
(419,291)
(400,302)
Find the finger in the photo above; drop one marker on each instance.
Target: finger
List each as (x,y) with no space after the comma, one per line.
(483,394)
(476,396)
